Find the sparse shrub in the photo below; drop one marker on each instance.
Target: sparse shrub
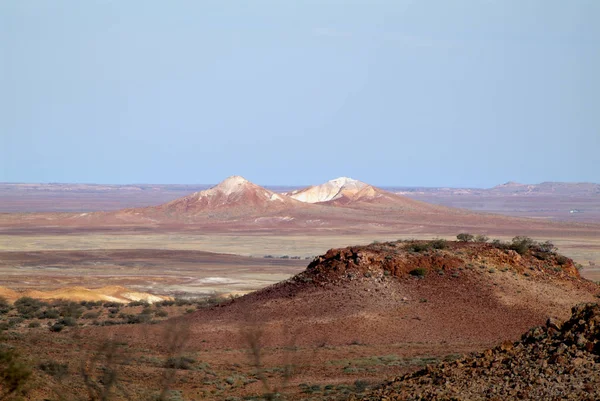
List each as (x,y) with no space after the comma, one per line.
(4,306)
(135,319)
(71,309)
(215,299)
(481,238)
(439,243)
(91,315)
(182,302)
(521,244)
(110,304)
(27,306)
(54,369)
(14,373)
(465,237)
(546,247)
(50,313)
(180,362)
(147,310)
(562,260)
(418,272)
(68,321)
(419,247)
(161,313)
(57,327)
(33,325)
(138,303)
(360,386)
(268,256)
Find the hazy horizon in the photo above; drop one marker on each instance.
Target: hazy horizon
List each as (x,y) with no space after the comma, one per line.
(290,185)
(393,93)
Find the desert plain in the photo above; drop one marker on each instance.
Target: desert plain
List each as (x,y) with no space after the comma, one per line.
(270,334)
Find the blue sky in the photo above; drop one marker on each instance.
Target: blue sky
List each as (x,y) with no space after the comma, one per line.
(431,93)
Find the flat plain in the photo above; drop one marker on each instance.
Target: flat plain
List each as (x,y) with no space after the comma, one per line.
(342,335)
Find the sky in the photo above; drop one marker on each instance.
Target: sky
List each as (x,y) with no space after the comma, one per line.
(408,93)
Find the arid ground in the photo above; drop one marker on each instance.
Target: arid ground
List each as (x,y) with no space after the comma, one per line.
(342,335)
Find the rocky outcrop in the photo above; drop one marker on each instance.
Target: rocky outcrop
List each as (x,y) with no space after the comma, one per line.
(402,258)
(553,362)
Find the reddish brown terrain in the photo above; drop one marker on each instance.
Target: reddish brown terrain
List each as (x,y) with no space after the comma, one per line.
(358,313)
(549,200)
(236,205)
(557,361)
(354,317)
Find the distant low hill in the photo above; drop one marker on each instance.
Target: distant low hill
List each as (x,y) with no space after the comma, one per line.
(407,291)
(510,188)
(343,205)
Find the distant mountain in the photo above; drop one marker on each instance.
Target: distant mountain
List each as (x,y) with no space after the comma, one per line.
(233,193)
(238,205)
(344,191)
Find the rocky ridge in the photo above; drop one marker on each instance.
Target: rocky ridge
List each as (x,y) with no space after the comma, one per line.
(553,362)
(403,258)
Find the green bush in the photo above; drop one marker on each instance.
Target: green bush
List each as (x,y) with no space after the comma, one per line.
(57,327)
(481,238)
(54,369)
(465,237)
(68,321)
(419,247)
(439,244)
(5,307)
(27,306)
(138,303)
(161,313)
(180,362)
(136,319)
(546,247)
(14,373)
(50,313)
(91,315)
(418,272)
(71,309)
(521,244)
(13,321)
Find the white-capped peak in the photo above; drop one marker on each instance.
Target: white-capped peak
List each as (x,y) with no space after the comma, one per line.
(330,190)
(231,184)
(341,182)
